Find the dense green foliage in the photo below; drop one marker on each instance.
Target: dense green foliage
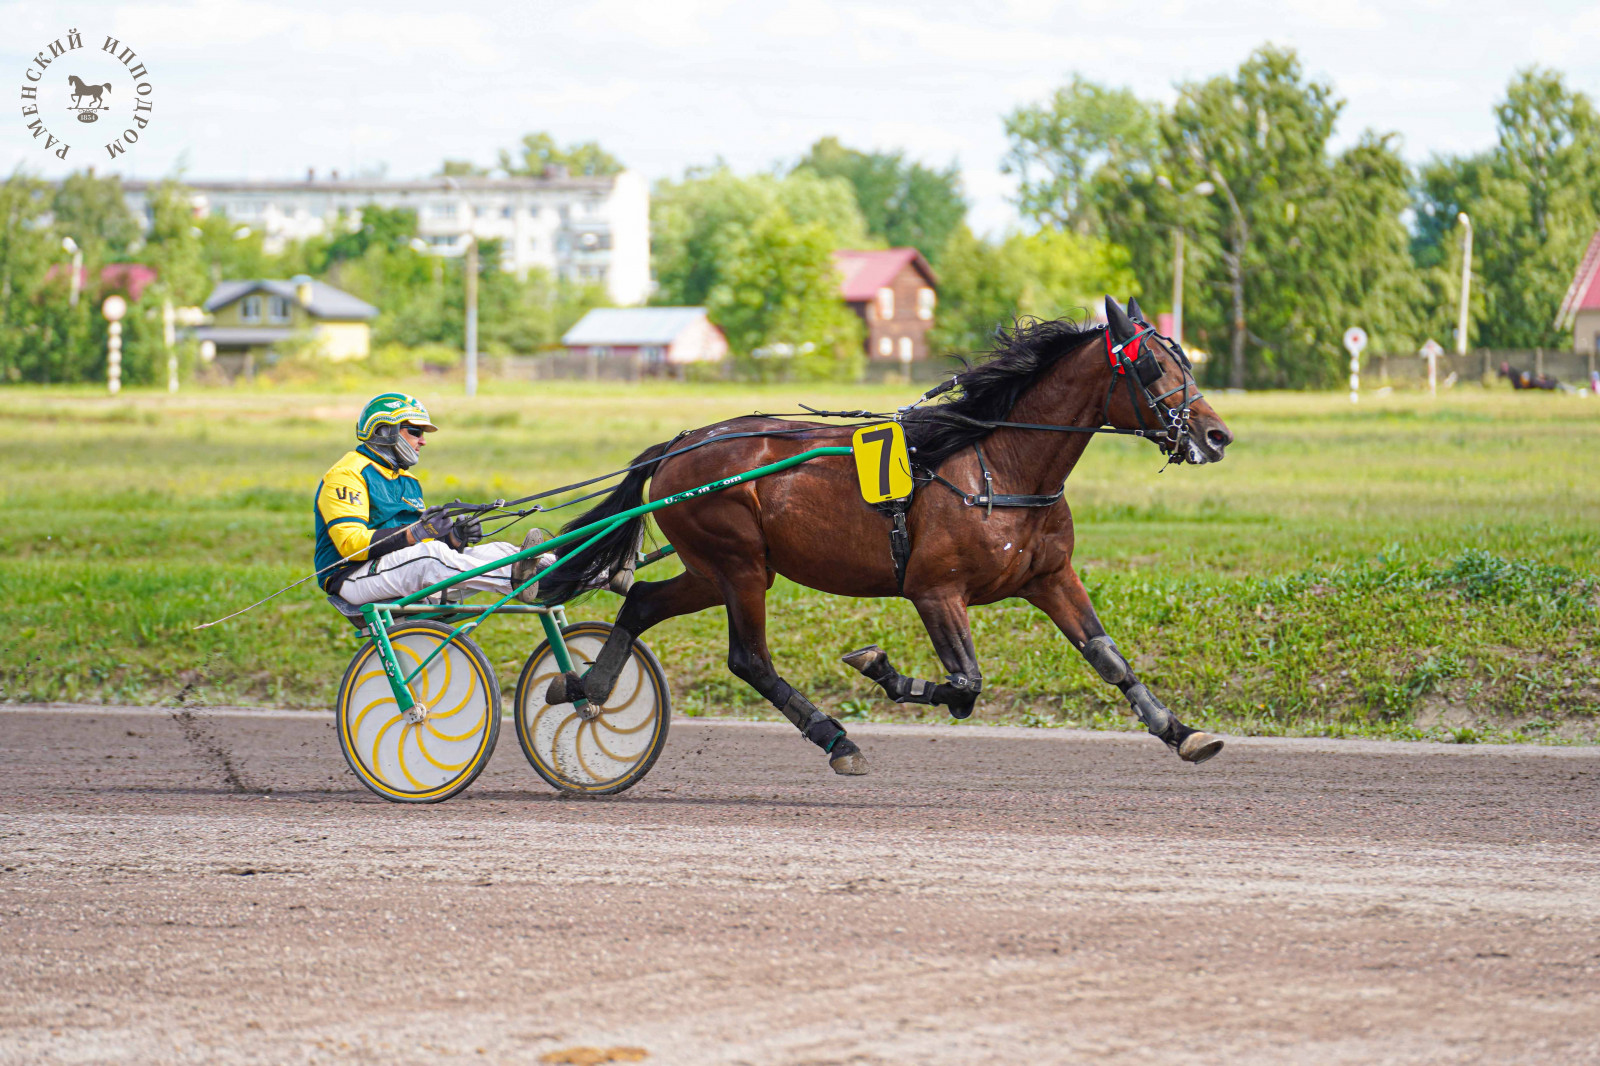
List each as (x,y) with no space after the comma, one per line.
(1287,242)
(1404,568)
(757,252)
(904,204)
(1534,202)
(421,297)
(539,151)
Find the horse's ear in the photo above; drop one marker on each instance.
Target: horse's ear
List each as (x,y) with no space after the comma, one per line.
(1117,319)
(1133,310)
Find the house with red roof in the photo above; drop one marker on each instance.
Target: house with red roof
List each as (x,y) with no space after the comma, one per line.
(895,292)
(1580,310)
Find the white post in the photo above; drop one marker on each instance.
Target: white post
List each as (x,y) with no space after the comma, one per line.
(114,308)
(1177,284)
(1355,339)
(472,316)
(1433,374)
(169,336)
(1466,281)
(68,244)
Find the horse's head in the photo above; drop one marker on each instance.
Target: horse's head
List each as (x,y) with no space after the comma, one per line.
(1153,388)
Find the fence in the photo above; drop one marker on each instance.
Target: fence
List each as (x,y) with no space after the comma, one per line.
(1409,369)
(562,366)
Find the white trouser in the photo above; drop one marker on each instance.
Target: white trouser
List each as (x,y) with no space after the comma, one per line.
(409,570)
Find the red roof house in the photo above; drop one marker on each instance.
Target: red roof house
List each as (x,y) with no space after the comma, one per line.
(1580,310)
(895,292)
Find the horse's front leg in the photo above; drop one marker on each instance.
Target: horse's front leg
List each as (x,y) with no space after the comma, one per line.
(1066,601)
(945,618)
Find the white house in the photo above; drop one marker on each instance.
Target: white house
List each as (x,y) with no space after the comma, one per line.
(657,336)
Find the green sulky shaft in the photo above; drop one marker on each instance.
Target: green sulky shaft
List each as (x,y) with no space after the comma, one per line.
(587,534)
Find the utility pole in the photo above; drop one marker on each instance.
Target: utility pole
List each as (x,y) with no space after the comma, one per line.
(1466,281)
(169,337)
(472,315)
(1204,188)
(1177,284)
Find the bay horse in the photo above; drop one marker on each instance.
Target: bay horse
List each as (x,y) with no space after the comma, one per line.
(1005,531)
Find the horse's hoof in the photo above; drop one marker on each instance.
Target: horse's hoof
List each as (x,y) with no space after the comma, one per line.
(1198,747)
(864,659)
(851,765)
(564,688)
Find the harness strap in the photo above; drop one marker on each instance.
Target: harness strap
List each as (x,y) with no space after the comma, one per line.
(989,499)
(899,537)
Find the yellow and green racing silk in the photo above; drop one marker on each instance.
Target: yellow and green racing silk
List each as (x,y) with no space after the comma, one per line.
(359,495)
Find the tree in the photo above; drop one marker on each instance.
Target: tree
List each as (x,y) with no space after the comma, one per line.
(904,204)
(758,252)
(92,212)
(1049,274)
(389,228)
(539,151)
(780,292)
(1534,202)
(461,168)
(1059,145)
(1291,245)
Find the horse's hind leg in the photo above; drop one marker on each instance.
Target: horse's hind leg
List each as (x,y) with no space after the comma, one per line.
(648,603)
(945,618)
(1067,603)
(745,594)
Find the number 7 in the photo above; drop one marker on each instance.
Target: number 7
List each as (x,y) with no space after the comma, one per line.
(881,437)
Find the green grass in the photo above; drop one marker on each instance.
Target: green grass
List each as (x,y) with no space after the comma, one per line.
(1405,568)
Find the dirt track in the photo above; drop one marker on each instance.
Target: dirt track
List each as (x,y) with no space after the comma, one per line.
(987,895)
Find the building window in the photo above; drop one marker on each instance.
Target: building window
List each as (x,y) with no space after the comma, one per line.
(905,349)
(278,309)
(653,354)
(885,303)
(507,212)
(447,210)
(250,311)
(925,303)
(886,346)
(599,352)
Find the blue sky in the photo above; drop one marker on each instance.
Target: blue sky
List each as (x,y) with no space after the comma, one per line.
(266,89)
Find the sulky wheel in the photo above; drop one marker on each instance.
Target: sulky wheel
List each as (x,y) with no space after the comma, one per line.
(430,760)
(609,752)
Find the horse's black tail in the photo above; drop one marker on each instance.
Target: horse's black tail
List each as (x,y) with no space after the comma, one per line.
(613,551)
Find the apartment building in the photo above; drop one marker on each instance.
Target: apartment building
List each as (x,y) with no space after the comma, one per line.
(582,228)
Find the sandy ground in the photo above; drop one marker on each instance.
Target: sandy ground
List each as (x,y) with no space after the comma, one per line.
(986,896)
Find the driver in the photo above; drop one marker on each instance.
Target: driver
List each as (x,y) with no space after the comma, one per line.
(376,541)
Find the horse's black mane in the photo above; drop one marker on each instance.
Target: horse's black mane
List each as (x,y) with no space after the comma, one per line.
(990,389)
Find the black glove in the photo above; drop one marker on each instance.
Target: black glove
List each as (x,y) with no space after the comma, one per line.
(436,524)
(465,532)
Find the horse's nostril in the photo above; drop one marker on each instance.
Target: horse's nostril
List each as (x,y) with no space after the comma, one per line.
(1219,437)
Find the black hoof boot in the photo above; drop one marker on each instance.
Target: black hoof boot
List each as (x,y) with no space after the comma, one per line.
(843,754)
(564,688)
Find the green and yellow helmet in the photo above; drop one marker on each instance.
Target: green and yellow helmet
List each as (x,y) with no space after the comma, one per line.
(378,426)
